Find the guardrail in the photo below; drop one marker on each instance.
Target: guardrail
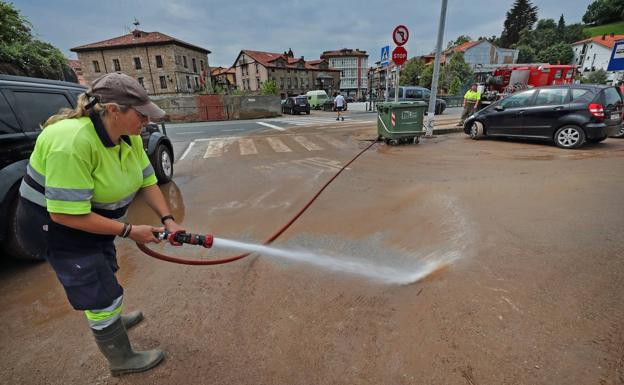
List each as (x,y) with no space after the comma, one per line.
(452,101)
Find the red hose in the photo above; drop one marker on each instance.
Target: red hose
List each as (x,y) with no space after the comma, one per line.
(273,237)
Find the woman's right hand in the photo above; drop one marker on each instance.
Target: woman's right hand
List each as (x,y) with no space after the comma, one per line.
(144,234)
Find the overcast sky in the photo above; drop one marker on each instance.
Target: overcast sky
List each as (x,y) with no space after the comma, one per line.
(309,27)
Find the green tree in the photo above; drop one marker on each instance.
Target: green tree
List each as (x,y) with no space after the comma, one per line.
(269,88)
(18,48)
(456,73)
(596,77)
(526,54)
(427,76)
(522,15)
(460,40)
(604,12)
(559,53)
(574,33)
(561,24)
(411,72)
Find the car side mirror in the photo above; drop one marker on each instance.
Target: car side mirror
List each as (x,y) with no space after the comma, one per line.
(499,108)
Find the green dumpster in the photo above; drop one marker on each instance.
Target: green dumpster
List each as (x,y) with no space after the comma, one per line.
(400,122)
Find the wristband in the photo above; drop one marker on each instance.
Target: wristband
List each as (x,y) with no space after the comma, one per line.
(126,230)
(123,231)
(163,219)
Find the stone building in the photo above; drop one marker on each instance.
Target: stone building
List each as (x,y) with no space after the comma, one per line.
(353,66)
(293,76)
(161,63)
(224,78)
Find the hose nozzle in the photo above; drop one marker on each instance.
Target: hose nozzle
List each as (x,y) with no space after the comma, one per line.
(180,237)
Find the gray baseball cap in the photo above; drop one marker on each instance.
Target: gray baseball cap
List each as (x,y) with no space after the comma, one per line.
(125,90)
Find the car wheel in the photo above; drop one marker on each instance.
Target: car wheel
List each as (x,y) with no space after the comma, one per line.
(476,130)
(569,137)
(14,245)
(162,161)
(596,140)
(307,112)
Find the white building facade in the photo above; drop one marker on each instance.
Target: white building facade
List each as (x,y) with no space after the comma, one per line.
(593,54)
(353,66)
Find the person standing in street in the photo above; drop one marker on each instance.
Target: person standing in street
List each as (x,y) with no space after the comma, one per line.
(339,104)
(471,102)
(87,166)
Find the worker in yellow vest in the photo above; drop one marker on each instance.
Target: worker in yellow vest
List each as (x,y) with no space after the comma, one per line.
(471,102)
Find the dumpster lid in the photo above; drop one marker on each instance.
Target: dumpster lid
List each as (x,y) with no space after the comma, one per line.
(404,104)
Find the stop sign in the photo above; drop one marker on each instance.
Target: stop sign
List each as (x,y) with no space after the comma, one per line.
(399,55)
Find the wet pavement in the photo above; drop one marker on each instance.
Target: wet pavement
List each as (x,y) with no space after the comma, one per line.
(532,296)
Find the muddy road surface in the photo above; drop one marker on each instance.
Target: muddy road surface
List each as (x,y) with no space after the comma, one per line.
(531,292)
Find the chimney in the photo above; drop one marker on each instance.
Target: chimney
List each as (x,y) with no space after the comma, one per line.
(611,34)
(604,36)
(302,58)
(136,33)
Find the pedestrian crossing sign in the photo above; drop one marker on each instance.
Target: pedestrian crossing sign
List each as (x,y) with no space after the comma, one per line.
(385,56)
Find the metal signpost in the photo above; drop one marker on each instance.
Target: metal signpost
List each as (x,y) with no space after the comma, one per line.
(385,60)
(436,72)
(400,35)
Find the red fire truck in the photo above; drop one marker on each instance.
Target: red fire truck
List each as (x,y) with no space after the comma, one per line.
(510,79)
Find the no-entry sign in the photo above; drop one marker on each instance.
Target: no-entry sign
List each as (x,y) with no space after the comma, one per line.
(399,55)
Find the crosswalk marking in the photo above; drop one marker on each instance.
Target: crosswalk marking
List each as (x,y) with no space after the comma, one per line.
(247,147)
(215,149)
(277,145)
(333,141)
(271,126)
(310,146)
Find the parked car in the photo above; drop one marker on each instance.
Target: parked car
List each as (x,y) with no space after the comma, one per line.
(417,94)
(25,103)
(620,131)
(568,115)
(317,98)
(296,105)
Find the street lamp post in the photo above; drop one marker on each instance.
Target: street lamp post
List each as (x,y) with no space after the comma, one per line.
(436,72)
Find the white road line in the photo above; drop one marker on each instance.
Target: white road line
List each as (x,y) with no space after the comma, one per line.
(277,145)
(333,141)
(215,149)
(271,126)
(233,129)
(310,146)
(189,132)
(188,149)
(247,147)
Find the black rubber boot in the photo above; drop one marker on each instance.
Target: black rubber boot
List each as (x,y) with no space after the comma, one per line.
(132,318)
(115,346)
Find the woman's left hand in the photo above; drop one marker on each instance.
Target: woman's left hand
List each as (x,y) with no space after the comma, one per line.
(173,227)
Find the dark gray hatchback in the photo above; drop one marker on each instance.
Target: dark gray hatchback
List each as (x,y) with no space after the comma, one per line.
(24,104)
(567,115)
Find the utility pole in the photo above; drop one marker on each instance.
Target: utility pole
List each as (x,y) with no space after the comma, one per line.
(436,72)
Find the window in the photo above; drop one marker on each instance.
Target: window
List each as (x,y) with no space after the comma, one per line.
(140,79)
(8,123)
(194,64)
(612,98)
(163,82)
(184,61)
(581,96)
(116,65)
(196,82)
(257,68)
(159,61)
(521,99)
(296,83)
(34,108)
(188,82)
(551,96)
(201,65)
(96,66)
(413,94)
(137,63)
(257,83)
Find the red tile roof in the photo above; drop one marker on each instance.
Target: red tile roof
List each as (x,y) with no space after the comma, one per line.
(608,41)
(137,38)
(269,59)
(74,63)
(215,71)
(463,47)
(343,52)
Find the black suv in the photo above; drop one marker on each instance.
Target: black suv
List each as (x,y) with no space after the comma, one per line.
(25,103)
(568,115)
(296,105)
